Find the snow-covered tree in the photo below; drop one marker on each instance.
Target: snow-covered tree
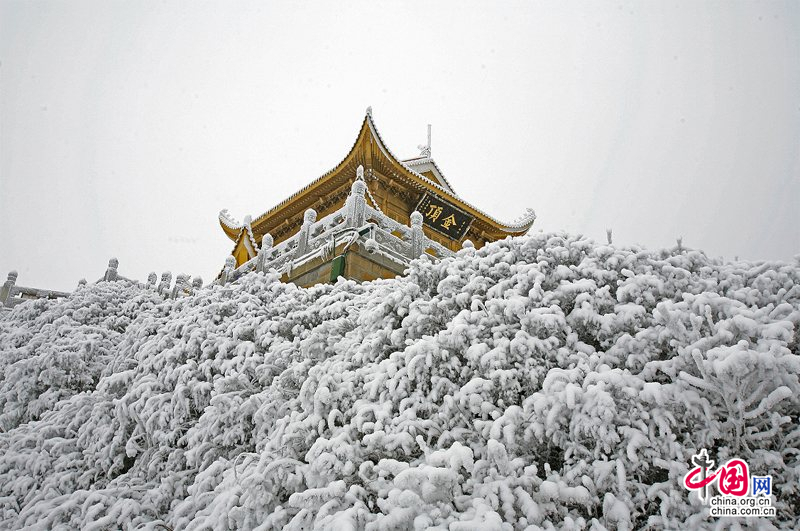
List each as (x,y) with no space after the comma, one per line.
(537,383)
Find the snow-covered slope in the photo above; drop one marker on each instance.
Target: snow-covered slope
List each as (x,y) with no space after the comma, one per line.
(543,381)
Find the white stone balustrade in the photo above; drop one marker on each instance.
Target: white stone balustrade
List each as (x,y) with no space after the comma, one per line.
(11,294)
(111,272)
(309,218)
(227,271)
(264,252)
(356,204)
(166,280)
(417,235)
(6,291)
(355,221)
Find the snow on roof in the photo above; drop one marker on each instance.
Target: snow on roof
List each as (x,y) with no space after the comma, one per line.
(521,224)
(428,164)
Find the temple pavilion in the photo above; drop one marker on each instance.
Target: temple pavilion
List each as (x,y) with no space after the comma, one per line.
(367,218)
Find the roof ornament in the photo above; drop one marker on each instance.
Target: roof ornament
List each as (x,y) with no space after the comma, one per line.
(226,218)
(360,173)
(369,111)
(425,151)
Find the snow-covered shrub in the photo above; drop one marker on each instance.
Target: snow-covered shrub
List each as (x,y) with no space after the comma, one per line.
(540,382)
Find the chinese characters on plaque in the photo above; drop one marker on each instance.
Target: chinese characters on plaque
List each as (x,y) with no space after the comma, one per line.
(443,217)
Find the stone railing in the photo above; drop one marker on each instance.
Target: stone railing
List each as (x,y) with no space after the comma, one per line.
(184,284)
(12,295)
(183,287)
(355,221)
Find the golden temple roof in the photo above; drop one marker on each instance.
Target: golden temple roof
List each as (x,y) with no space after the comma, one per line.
(371,151)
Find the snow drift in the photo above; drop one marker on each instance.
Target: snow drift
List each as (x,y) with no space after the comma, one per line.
(540,382)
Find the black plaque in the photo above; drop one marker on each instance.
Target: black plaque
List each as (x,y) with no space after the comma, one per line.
(443,217)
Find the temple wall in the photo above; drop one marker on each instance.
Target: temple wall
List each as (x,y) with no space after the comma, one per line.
(359,265)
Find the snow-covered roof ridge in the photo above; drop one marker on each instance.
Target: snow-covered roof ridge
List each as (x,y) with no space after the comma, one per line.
(250,235)
(233,224)
(525,219)
(229,221)
(509,227)
(419,161)
(318,179)
(397,159)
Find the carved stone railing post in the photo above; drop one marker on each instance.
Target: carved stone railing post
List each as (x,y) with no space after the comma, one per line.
(181,283)
(166,280)
(264,252)
(309,218)
(227,271)
(152,280)
(186,286)
(8,287)
(417,235)
(197,283)
(111,272)
(356,205)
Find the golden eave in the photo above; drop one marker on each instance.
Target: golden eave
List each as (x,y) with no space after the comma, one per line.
(370,151)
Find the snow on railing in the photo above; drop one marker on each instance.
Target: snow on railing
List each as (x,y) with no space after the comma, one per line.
(355,221)
(12,295)
(184,285)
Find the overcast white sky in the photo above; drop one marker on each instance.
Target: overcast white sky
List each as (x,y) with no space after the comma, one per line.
(126,126)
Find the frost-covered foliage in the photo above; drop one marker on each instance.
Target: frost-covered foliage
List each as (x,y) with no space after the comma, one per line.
(541,382)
